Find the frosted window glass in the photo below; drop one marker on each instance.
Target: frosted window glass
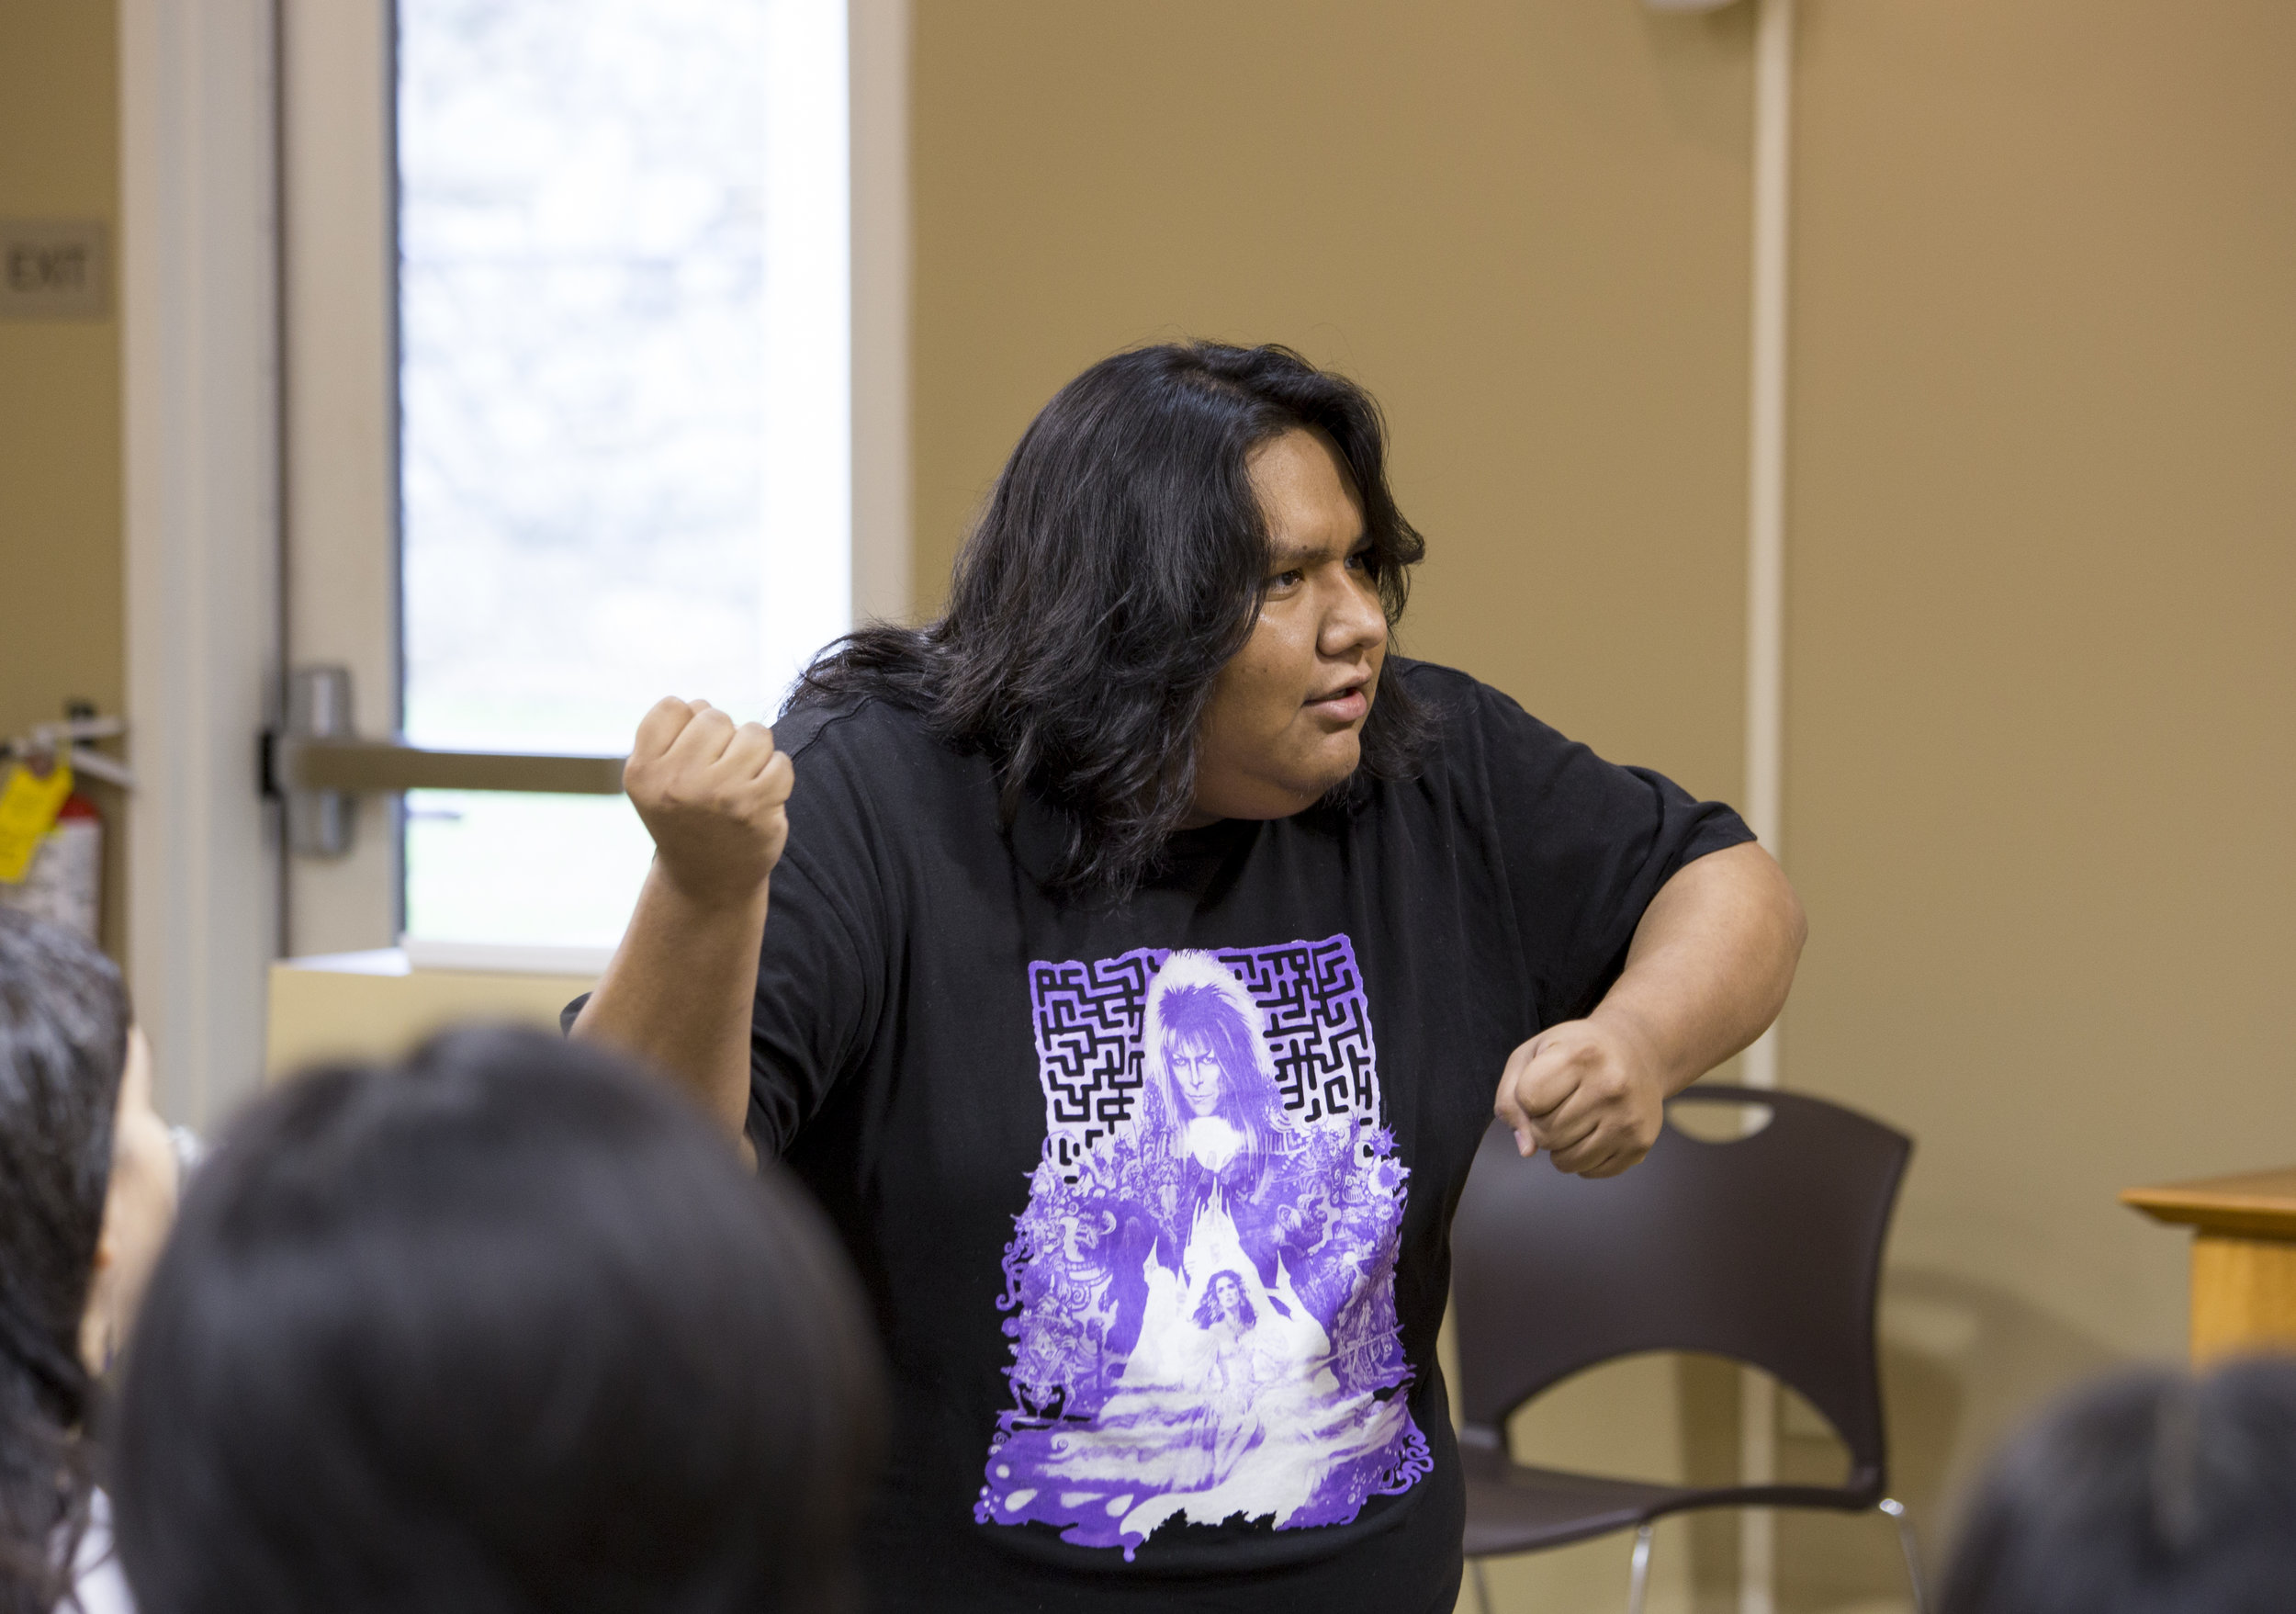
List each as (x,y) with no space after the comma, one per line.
(584,374)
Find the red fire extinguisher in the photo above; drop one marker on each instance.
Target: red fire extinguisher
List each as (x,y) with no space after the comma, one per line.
(64,883)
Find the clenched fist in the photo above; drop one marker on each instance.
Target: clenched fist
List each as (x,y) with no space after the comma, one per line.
(1589,1093)
(713,794)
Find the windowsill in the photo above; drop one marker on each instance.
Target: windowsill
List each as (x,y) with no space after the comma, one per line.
(379,1005)
(504,958)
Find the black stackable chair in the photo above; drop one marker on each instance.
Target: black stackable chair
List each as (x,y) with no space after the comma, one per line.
(1766,1248)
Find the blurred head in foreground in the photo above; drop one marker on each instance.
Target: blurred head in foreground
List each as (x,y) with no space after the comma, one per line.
(2152,1493)
(509,1327)
(87,1183)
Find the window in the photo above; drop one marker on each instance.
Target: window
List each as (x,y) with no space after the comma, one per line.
(625,335)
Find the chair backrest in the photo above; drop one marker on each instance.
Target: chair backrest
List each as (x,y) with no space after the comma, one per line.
(1766,1248)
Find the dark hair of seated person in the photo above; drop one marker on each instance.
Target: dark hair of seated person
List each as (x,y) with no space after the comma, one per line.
(2149,1493)
(507,1327)
(63,1043)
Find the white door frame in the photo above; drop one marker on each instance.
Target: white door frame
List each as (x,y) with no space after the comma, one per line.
(339,439)
(198,312)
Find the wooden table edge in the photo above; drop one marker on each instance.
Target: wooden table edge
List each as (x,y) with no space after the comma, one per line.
(2257,1204)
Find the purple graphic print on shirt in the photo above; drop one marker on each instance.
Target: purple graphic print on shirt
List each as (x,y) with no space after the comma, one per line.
(1202,1286)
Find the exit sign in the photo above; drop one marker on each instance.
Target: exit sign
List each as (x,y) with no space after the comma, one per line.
(51,270)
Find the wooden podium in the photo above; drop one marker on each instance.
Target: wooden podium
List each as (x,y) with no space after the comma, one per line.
(2244,1257)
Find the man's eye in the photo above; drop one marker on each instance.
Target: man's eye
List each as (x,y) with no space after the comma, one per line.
(1359,561)
(1284,580)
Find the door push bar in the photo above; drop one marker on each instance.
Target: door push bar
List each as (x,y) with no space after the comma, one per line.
(316,764)
(72,740)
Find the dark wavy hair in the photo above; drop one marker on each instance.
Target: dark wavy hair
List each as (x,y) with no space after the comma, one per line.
(1120,563)
(63,1044)
(507,1327)
(2151,1492)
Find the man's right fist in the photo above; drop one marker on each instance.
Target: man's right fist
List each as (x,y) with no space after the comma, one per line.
(713,795)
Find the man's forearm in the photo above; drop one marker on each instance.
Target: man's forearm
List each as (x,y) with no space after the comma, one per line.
(1710,963)
(680,989)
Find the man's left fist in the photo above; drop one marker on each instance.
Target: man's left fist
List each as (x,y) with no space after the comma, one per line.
(1589,1093)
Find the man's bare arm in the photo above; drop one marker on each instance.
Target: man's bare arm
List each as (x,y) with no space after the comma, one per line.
(1708,970)
(679,991)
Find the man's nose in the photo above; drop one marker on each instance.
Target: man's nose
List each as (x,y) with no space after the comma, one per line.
(1355,621)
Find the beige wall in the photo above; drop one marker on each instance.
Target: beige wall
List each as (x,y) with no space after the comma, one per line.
(59,586)
(1522,225)
(2042,704)
(2042,729)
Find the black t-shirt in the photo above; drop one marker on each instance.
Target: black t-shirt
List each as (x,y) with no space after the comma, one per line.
(1154,1202)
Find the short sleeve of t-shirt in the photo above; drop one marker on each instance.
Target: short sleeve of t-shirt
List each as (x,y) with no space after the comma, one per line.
(1585,843)
(830,934)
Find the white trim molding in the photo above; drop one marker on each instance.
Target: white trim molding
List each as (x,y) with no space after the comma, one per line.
(199,379)
(1765,659)
(879,56)
(1766,454)
(805,461)
(339,428)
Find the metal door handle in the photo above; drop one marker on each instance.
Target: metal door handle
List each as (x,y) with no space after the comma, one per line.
(316,764)
(362,767)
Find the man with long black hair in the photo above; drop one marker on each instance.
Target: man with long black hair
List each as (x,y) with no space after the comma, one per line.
(1148,944)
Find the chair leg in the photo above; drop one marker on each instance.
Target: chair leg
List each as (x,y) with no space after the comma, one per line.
(1482,1587)
(1910,1547)
(1639,1582)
